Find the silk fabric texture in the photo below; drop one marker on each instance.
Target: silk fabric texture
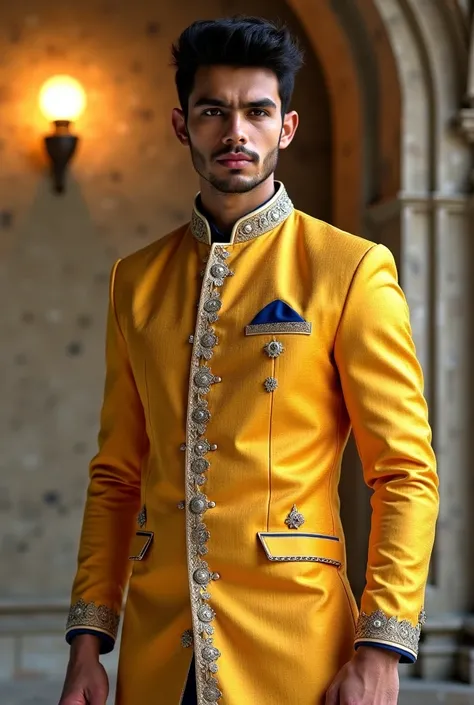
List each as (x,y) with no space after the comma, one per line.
(282,626)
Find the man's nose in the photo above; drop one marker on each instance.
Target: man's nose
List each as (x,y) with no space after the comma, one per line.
(235,132)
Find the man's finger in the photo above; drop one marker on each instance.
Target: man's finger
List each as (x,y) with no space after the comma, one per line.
(332,696)
(98,697)
(72,699)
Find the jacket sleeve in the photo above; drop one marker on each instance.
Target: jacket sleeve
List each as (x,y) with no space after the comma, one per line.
(382,385)
(113,496)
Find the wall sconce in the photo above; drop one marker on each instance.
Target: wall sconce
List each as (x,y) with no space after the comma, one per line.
(62,100)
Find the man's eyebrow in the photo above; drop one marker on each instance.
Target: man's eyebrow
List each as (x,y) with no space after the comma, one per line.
(263,103)
(217,103)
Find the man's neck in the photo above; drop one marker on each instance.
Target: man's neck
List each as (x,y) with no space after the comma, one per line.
(225,209)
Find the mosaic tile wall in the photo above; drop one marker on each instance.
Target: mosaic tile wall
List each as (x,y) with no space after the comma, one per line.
(131,183)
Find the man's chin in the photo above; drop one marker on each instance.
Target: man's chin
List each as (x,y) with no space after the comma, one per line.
(234,183)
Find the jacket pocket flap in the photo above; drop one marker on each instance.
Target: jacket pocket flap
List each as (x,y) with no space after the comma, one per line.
(318,548)
(140,544)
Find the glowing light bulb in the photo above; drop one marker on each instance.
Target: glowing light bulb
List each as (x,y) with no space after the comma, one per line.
(62,98)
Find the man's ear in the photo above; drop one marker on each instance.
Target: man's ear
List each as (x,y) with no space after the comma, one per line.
(289,127)
(179,125)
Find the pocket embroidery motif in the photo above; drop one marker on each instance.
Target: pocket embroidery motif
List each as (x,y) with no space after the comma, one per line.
(294,519)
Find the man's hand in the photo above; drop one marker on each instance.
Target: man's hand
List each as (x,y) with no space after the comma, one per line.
(86,680)
(370,678)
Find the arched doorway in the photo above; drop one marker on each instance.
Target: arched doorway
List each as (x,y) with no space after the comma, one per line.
(307,167)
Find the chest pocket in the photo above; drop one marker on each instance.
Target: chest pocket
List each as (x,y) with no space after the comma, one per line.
(278,318)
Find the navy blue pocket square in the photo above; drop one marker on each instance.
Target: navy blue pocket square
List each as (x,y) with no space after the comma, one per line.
(278,317)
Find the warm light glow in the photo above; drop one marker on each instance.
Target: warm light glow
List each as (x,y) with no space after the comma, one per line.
(62,98)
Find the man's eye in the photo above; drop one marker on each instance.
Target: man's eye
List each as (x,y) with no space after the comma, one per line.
(256,112)
(212,112)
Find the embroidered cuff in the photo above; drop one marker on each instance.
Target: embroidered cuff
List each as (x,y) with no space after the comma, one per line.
(106,642)
(379,629)
(98,618)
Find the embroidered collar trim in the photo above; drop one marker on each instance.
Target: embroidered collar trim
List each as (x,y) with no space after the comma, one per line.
(258,222)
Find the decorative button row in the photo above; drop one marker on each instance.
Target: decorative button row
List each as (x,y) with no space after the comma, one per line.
(204,342)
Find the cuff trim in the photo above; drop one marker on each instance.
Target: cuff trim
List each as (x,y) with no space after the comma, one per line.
(106,642)
(378,627)
(405,655)
(88,614)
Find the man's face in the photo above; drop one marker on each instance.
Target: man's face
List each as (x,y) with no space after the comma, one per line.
(234,127)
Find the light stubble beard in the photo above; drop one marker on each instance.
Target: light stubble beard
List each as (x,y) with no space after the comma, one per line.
(229,184)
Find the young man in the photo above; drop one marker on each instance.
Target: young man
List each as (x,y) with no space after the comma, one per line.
(241,349)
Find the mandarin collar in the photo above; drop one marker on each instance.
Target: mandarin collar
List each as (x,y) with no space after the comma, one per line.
(258,222)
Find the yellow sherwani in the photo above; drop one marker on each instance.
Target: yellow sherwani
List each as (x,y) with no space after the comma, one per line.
(234,375)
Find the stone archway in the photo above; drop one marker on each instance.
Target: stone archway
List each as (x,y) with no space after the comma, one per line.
(430,43)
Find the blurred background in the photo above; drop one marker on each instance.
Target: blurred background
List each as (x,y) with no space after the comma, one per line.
(386,100)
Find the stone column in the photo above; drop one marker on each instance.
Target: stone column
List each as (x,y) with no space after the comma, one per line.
(435,257)
(466,125)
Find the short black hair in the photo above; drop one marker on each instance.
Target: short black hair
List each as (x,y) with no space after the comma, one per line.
(240,41)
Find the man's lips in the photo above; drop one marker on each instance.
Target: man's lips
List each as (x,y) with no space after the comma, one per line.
(234,161)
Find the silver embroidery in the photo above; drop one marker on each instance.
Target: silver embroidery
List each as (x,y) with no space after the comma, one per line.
(141,518)
(198,446)
(257,223)
(187,639)
(301,327)
(262,222)
(300,559)
(211,692)
(200,534)
(271,384)
(88,614)
(200,465)
(200,227)
(294,519)
(379,627)
(274,348)
(206,613)
(210,653)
